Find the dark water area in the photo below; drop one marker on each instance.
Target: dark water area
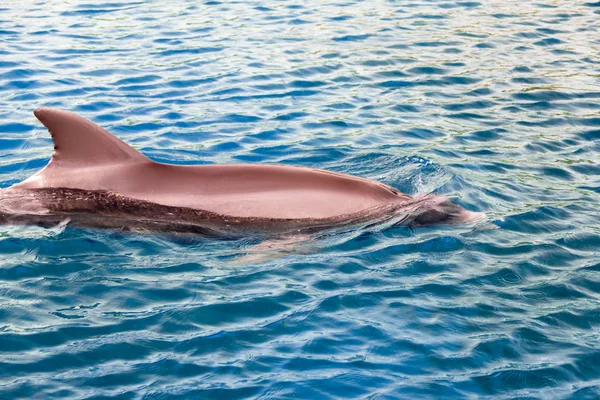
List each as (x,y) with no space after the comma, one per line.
(494,104)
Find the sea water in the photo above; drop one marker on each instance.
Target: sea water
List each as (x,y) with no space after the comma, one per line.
(495,104)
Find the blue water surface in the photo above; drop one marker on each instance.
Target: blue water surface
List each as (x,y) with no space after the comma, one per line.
(495,104)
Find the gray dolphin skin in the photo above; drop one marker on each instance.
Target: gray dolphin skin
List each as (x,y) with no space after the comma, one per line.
(95,180)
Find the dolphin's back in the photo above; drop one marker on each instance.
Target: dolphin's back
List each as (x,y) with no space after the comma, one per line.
(88,157)
(98,180)
(264,191)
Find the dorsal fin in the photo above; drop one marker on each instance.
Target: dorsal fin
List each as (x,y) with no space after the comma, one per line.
(80,141)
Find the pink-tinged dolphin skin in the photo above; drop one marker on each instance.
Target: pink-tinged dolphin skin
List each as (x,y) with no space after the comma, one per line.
(96,180)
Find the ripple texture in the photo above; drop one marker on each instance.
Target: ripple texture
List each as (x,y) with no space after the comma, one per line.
(495,104)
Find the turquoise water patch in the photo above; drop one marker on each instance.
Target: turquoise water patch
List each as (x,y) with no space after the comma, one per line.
(494,104)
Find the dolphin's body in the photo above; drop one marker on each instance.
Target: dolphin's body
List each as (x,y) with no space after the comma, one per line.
(94,179)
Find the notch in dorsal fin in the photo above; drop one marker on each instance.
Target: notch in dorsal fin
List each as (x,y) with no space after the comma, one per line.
(77,140)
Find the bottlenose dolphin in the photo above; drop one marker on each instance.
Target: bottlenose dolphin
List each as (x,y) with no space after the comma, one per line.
(95,180)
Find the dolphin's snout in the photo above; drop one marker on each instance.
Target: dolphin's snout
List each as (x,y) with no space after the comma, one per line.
(440,210)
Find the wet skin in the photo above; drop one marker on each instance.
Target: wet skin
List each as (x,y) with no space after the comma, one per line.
(119,182)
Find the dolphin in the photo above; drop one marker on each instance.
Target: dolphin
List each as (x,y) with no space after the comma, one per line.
(96,180)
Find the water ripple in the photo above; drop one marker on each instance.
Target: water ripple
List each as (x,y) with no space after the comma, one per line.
(491,103)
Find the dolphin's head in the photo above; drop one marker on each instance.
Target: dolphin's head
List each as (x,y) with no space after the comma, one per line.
(434,210)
